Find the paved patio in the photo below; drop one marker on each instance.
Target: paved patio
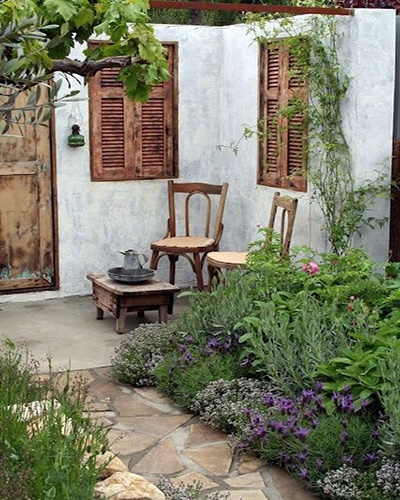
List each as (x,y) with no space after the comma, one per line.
(153,437)
(67,330)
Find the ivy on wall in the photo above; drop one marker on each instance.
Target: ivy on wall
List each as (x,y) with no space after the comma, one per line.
(345,204)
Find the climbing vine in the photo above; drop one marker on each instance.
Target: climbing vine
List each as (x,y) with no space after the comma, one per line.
(345,204)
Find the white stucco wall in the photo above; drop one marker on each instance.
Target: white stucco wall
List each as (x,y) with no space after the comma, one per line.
(218,94)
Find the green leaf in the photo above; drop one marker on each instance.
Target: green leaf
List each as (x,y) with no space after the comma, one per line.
(83,17)
(65,8)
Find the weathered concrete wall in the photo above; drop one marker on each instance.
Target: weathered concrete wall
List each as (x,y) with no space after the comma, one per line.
(218,94)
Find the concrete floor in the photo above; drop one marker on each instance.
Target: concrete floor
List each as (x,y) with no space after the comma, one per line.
(67,331)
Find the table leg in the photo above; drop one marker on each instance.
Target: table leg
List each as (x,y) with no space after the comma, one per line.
(120,323)
(99,313)
(163,314)
(140,314)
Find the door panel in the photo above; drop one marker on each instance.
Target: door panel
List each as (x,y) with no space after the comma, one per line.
(27,239)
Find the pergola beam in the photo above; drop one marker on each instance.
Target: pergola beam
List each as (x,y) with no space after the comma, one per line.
(240,7)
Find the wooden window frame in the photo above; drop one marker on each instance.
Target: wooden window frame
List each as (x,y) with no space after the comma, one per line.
(174,131)
(281,178)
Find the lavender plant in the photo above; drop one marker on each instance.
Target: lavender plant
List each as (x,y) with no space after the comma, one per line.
(299,435)
(140,352)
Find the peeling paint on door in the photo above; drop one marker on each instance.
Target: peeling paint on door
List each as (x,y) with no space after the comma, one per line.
(27,258)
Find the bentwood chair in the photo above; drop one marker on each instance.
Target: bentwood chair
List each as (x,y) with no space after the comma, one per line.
(217,261)
(181,246)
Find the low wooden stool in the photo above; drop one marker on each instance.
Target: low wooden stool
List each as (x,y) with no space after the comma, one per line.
(119,299)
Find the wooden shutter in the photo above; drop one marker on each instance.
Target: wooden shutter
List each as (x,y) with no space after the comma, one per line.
(282,149)
(130,140)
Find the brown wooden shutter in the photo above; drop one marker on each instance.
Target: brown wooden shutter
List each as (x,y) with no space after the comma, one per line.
(282,151)
(130,140)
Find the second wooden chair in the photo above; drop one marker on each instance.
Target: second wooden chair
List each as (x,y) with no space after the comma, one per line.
(217,261)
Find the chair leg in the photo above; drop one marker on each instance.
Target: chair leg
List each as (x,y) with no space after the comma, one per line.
(199,271)
(154,257)
(212,273)
(173,259)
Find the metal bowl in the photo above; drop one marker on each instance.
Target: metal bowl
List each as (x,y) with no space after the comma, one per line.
(130,276)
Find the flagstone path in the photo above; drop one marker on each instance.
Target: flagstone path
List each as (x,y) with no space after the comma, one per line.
(154,437)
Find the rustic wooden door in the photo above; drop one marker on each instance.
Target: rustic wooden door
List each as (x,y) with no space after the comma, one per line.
(27,229)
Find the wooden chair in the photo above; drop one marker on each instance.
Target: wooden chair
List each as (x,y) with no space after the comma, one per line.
(217,261)
(176,246)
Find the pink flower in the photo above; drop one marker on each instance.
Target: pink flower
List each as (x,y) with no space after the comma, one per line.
(310,268)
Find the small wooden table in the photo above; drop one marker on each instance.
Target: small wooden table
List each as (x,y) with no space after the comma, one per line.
(119,299)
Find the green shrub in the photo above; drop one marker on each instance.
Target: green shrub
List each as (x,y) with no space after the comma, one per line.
(183,381)
(44,460)
(141,351)
(287,339)
(360,367)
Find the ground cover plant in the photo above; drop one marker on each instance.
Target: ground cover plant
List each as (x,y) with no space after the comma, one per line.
(48,448)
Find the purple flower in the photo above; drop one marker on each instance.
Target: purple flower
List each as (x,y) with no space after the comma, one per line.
(376,434)
(189,339)
(348,460)
(213,344)
(261,431)
(344,437)
(315,423)
(307,396)
(319,387)
(347,403)
(364,403)
(302,433)
(182,348)
(318,401)
(302,456)
(284,457)
(246,361)
(369,458)
(269,399)
(286,405)
(304,474)
(279,427)
(344,423)
(346,389)
(320,463)
(188,357)
(335,397)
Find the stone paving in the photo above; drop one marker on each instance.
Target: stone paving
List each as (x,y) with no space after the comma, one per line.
(153,437)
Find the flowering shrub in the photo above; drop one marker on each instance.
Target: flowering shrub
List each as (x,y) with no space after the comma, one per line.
(388,478)
(222,402)
(140,352)
(299,435)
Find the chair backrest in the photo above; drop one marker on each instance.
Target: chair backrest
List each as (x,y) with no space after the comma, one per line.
(289,208)
(197,188)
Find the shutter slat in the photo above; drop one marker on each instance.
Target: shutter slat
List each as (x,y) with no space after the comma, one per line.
(112,132)
(153,145)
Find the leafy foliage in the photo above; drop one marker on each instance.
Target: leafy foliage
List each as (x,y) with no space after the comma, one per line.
(34,33)
(55,457)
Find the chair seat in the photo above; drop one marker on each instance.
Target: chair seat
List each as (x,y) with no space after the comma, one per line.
(184,244)
(227,260)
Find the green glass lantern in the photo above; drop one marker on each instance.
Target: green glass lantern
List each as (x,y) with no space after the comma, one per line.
(76,139)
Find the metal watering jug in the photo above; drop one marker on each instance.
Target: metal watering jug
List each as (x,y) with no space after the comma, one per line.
(132,259)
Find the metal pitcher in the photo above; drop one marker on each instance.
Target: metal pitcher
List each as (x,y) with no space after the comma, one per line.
(131,260)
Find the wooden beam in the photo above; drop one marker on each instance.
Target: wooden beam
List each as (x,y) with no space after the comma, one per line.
(240,7)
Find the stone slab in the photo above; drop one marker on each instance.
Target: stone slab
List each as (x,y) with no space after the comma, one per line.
(155,425)
(162,459)
(200,434)
(252,480)
(215,458)
(127,443)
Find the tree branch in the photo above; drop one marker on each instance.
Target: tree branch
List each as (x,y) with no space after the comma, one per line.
(90,68)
